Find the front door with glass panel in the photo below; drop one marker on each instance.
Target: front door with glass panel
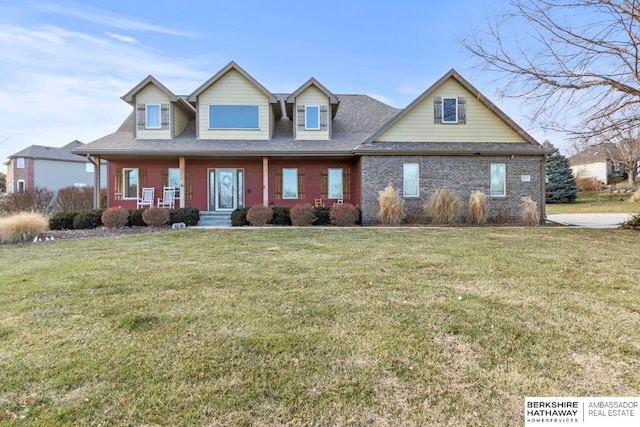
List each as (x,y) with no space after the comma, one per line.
(225,189)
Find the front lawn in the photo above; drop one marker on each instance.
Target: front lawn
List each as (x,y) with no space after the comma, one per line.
(595,202)
(290,326)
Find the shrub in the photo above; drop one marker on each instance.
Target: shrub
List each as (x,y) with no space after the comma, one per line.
(156,217)
(477,210)
(344,215)
(529,211)
(502,217)
(239,217)
(259,215)
(391,206)
(62,220)
(635,197)
(22,227)
(281,216)
(31,200)
(88,219)
(135,218)
(190,216)
(588,184)
(415,216)
(632,223)
(115,217)
(74,199)
(323,216)
(302,215)
(443,207)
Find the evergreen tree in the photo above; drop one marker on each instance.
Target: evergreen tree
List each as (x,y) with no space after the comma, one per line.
(561,185)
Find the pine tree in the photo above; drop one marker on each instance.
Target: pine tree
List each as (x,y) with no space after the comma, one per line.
(561,185)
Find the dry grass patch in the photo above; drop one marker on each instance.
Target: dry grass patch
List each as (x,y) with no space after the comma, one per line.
(443,207)
(22,227)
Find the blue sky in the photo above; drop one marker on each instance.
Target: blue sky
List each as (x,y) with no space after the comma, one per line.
(65,64)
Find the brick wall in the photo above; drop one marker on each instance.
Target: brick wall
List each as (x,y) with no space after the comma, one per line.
(461,174)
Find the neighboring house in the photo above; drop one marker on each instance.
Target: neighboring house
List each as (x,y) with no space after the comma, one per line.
(596,161)
(50,167)
(232,143)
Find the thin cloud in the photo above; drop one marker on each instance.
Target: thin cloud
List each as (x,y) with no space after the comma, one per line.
(125,39)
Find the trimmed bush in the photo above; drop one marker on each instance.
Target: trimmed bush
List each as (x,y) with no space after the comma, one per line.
(22,227)
(62,220)
(588,184)
(135,218)
(477,209)
(281,216)
(74,199)
(88,219)
(443,207)
(259,215)
(391,206)
(239,217)
(190,216)
(529,211)
(115,217)
(344,215)
(156,217)
(323,216)
(31,200)
(302,215)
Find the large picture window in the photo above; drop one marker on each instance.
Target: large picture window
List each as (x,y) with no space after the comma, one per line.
(498,180)
(290,183)
(130,180)
(234,117)
(410,179)
(335,184)
(153,116)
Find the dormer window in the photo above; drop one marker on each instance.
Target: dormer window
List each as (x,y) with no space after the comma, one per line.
(312,117)
(152,115)
(234,117)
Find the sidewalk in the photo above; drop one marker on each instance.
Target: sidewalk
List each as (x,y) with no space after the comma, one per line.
(590,220)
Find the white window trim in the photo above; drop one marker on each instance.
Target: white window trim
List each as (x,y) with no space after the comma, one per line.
(306,112)
(504,184)
(329,194)
(417,180)
(455,102)
(125,184)
(146,116)
(20,163)
(295,182)
(24,185)
(233,105)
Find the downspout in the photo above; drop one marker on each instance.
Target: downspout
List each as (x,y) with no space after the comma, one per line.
(96,181)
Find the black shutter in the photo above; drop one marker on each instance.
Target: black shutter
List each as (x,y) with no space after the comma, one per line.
(141,116)
(323,117)
(462,110)
(300,116)
(164,117)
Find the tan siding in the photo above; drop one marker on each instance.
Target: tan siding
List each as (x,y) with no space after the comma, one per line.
(482,124)
(233,89)
(180,119)
(314,97)
(152,95)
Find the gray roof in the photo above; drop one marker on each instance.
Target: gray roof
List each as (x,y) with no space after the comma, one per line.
(451,148)
(595,153)
(52,153)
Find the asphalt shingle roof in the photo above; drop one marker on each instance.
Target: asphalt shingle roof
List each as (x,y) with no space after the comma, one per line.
(52,153)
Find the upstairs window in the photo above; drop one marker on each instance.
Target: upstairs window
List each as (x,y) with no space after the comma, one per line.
(312,118)
(234,117)
(20,162)
(450,110)
(152,116)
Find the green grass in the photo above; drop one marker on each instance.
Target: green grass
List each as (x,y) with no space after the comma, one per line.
(595,202)
(285,326)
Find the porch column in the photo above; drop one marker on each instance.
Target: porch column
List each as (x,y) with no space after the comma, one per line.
(265,181)
(97,170)
(183,174)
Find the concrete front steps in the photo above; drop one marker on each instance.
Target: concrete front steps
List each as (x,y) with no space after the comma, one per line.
(215,219)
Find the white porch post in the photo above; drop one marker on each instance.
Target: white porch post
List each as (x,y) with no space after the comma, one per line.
(97,170)
(265,181)
(183,174)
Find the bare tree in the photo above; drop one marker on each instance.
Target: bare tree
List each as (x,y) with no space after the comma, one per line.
(576,62)
(624,149)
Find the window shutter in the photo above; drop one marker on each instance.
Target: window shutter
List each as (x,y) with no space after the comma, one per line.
(301,192)
(141,116)
(188,187)
(142,180)
(437,110)
(323,117)
(346,183)
(324,183)
(165,116)
(301,116)
(164,173)
(279,184)
(462,110)
(117,195)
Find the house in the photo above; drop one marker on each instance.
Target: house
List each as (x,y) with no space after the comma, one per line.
(233,143)
(599,161)
(50,167)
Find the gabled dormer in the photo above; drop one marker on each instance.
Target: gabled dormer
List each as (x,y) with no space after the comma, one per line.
(233,105)
(159,113)
(312,107)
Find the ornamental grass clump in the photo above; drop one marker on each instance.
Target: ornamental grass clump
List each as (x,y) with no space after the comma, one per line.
(635,197)
(22,227)
(259,215)
(156,217)
(443,207)
(302,215)
(115,217)
(529,211)
(344,215)
(390,206)
(477,210)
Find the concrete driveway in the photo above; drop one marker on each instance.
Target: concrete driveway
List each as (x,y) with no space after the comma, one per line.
(590,220)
